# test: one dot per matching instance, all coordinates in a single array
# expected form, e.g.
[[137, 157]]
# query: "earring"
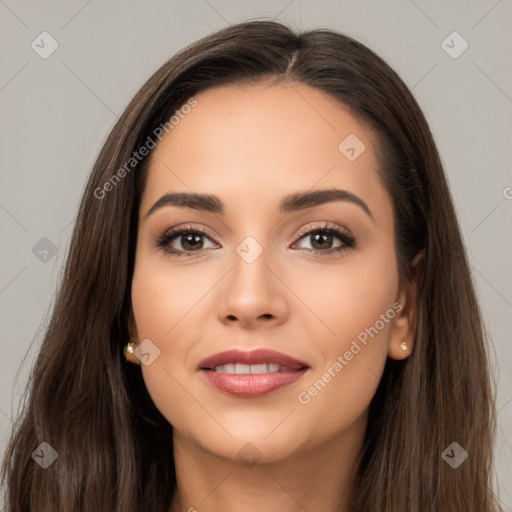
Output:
[[403, 345], [128, 348]]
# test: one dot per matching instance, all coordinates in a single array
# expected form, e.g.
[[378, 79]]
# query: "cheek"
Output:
[[163, 298], [361, 300], [357, 306], [349, 297], [166, 305]]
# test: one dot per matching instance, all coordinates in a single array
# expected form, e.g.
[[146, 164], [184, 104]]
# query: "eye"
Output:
[[322, 239], [183, 240]]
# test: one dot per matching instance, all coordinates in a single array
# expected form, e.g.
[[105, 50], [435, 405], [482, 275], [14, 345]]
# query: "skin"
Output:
[[251, 146]]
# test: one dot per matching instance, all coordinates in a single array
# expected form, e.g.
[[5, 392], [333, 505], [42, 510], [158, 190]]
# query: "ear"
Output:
[[134, 338], [403, 330]]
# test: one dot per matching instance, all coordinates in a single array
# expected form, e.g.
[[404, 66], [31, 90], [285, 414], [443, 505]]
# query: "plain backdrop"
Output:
[[57, 111]]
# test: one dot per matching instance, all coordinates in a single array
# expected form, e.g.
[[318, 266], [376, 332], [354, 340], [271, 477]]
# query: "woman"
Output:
[[323, 347]]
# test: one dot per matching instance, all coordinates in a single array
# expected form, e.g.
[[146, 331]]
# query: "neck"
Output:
[[318, 478]]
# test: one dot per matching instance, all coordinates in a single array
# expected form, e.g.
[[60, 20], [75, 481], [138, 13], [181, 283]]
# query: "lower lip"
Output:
[[251, 385]]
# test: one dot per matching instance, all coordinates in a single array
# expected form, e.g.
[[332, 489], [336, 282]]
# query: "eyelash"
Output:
[[344, 236]]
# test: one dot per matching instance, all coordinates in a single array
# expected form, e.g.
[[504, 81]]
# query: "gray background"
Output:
[[56, 113]]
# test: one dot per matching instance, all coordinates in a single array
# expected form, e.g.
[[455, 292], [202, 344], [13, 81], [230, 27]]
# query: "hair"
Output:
[[92, 406]]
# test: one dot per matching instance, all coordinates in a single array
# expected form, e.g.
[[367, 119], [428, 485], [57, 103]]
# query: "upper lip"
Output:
[[258, 356]]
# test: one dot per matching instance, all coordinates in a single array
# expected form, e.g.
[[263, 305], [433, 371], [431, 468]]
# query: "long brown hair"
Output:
[[92, 407]]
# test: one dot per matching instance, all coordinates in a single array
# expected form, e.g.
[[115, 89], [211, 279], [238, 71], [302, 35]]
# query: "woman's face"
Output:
[[278, 266]]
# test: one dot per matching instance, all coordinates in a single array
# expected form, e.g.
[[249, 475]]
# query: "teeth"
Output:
[[242, 369], [259, 368], [246, 369]]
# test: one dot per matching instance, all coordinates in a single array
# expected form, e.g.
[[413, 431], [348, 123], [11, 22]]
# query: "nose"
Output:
[[252, 295]]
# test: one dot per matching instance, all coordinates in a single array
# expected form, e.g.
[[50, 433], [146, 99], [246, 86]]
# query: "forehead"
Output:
[[260, 141]]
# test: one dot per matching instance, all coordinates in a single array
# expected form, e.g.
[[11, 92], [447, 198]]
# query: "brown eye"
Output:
[[183, 241], [327, 240]]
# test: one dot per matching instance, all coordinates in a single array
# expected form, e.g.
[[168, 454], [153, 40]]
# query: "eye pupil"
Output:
[[322, 238], [193, 240]]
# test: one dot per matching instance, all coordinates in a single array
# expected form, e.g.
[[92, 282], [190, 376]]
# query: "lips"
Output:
[[251, 373], [253, 357]]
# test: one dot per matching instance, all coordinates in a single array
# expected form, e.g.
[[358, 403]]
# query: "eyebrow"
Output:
[[291, 203]]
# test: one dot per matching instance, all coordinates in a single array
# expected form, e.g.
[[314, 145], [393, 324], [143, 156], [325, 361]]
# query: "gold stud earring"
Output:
[[403, 345], [129, 347]]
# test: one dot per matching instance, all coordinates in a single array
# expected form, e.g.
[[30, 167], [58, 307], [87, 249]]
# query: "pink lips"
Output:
[[251, 385]]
